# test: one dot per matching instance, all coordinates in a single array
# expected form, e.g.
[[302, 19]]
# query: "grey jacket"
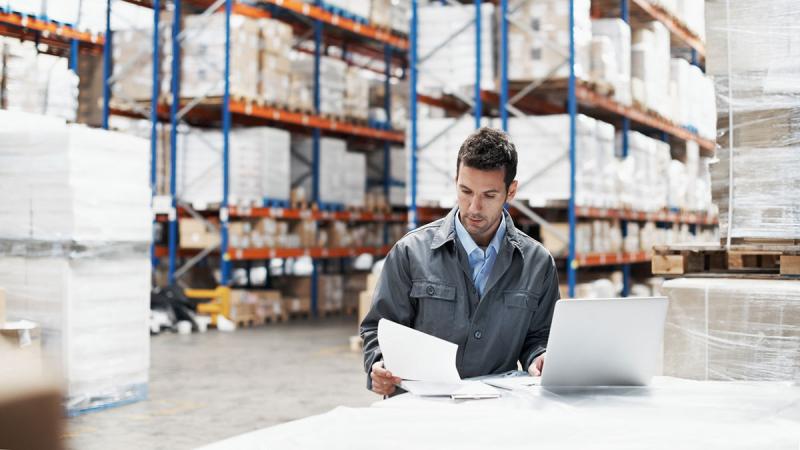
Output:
[[426, 284]]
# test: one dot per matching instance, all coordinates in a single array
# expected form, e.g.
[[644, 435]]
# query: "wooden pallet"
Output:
[[741, 259], [248, 322]]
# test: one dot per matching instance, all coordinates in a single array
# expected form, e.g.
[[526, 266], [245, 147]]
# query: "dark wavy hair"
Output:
[[489, 149]]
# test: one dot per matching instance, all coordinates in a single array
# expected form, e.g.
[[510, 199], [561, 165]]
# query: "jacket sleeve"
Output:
[[391, 301], [539, 328]]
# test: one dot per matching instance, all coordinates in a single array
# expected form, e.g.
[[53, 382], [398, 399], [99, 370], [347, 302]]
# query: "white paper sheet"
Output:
[[414, 355], [460, 390], [513, 383]]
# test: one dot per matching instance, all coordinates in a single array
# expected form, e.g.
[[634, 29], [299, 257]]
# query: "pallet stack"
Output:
[[735, 313]]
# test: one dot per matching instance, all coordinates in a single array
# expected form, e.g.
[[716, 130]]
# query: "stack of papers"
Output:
[[426, 364]]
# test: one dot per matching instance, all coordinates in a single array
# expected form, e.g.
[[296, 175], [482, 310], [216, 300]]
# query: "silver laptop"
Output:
[[605, 342]]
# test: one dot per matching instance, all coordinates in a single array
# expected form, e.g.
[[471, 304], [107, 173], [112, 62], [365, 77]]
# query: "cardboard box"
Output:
[[194, 235], [31, 409], [269, 306]]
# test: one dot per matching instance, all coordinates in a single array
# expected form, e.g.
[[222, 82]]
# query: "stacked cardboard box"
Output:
[[650, 68], [365, 297], [354, 284], [296, 292], [616, 67], [539, 47], [399, 103], [356, 100], [332, 86], [277, 39], [203, 57], [36, 82], [76, 232], [398, 163], [334, 187], [243, 307]]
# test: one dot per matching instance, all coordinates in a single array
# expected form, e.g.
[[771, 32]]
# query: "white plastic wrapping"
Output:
[[333, 74], [733, 329], [752, 54], [334, 171], [69, 182]]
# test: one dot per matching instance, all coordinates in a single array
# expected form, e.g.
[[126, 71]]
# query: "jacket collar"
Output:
[[447, 231]]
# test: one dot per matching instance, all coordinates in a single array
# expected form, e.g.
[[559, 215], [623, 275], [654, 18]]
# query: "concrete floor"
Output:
[[207, 387]]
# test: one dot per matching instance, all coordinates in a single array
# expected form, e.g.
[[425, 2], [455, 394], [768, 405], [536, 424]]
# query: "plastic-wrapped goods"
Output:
[[332, 84], [732, 329], [258, 166], [650, 68], [75, 230], [542, 144], [644, 174], [333, 170], [124, 15], [356, 179], [452, 67], [766, 192], [93, 311], [132, 54], [356, 101], [276, 41], [538, 40], [619, 33], [758, 91], [203, 56], [70, 182]]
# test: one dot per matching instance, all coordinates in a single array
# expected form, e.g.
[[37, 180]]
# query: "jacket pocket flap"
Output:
[[430, 289], [520, 299]]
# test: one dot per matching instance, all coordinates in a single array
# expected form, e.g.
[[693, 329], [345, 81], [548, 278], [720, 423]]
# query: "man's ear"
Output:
[[512, 191]]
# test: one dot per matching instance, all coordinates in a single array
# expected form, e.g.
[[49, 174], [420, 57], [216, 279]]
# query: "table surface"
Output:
[[670, 414]]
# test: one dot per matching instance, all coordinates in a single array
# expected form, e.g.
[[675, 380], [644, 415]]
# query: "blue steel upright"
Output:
[[504, 64], [626, 127], [225, 262], [154, 117], [387, 150], [478, 110], [107, 66], [412, 81], [74, 48], [315, 157], [572, 106], [173, 141]]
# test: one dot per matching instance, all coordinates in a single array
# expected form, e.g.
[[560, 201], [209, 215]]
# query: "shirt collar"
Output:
[[470, 245]]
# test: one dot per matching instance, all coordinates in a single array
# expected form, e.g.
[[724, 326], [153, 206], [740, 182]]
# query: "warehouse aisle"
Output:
[[205, 387]]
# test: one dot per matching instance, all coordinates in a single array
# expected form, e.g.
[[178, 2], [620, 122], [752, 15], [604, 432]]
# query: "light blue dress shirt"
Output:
[[480, 261]]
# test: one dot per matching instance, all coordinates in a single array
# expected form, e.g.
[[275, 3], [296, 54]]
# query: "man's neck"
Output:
[[482, 242]]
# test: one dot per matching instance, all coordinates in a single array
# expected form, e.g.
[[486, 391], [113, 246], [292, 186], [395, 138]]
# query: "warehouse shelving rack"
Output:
[[524, 101], [365, 39]]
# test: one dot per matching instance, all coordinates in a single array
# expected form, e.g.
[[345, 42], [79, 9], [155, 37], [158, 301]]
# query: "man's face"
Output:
[[481, 196]]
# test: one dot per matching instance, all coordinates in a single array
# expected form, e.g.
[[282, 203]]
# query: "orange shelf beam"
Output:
[[308, 214], [313, 121], [50, 30], [660, 216], [368, 31], [241, 254], [611, 259]]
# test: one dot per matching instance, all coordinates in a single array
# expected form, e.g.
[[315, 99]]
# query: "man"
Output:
[[470, 278]]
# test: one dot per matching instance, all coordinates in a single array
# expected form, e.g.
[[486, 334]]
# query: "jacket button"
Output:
[[431, 290], [478, 334]]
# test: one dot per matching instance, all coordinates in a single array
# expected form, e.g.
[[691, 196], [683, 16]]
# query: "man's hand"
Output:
[[536, 366], [383, 382]]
